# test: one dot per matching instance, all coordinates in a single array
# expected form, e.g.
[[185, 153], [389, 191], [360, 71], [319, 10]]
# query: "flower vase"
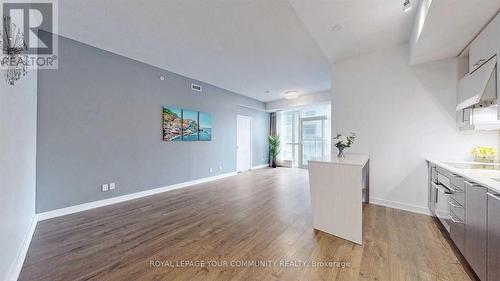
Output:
[[483, 159], [341, 152]]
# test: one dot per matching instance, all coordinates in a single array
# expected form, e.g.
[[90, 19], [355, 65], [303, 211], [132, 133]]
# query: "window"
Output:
[[295, 126]]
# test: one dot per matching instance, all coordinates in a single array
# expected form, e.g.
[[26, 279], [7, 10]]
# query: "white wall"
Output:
[[402, 115], [17, 170]]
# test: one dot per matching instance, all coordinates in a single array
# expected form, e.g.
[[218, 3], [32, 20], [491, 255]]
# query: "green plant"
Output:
[[274, 148]]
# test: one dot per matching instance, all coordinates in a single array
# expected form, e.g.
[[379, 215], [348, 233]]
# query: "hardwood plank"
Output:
[[263, 215]]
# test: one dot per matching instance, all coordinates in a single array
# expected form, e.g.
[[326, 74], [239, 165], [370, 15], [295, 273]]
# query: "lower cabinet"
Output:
[[457, 232], [493, 237], [474, 220], [476, 228], [457, 212]]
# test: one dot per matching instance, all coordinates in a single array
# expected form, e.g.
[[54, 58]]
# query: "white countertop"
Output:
[[350, 159], [479, 176]]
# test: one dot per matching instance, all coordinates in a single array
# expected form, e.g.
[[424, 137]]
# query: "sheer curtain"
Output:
[[273, 126], [273, 130]]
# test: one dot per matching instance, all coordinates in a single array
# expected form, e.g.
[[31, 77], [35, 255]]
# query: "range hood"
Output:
[[477, 97], [479, 86]]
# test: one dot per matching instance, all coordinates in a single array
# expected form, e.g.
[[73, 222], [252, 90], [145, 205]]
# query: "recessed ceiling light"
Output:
[[290, 95], [337, 27], [162, 78], [406, 5]]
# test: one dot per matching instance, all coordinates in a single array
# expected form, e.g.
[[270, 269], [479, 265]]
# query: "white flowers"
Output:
[[344, 141]]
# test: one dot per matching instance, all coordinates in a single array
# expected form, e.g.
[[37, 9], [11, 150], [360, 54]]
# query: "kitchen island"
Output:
[[338, 188]]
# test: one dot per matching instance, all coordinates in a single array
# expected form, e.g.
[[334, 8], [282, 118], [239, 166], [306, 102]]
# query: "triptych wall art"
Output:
[[186, 125]]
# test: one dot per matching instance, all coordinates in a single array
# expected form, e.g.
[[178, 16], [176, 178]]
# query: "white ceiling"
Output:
[[254, 46], [449, 26], [368, 25], [248, 47]]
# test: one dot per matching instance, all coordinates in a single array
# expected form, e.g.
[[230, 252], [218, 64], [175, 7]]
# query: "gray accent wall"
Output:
[[100, 121]]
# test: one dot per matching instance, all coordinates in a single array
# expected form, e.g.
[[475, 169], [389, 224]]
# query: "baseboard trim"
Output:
[[260, 166], [16, 267], [401, 206], [101, 203]]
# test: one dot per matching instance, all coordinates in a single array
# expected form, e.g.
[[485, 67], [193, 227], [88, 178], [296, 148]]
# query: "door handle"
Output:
[[454, 205], [471, 184], [441, 188], [479, 62], [454, 190], [454, 220]]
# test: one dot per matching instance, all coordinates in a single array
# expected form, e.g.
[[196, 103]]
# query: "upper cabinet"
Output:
[[478, 101], [485, 45]]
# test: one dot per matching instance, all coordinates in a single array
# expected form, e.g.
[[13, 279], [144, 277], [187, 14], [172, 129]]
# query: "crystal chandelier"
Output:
[[13, 45]]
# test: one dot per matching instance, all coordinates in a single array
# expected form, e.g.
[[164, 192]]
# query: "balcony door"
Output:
[[312, 139]]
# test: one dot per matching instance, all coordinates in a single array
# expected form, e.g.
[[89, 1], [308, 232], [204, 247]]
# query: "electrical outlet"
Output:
[[112, 186], [211, 170], [105, 187]]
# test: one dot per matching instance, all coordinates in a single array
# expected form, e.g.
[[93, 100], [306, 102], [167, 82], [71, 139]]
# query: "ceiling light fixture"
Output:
[[291, 95], [406, 5]]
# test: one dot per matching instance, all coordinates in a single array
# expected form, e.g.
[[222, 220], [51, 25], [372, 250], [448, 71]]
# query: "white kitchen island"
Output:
[[338, 189]]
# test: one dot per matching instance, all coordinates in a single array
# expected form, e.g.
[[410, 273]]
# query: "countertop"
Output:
[[350, 159], [479, 176]]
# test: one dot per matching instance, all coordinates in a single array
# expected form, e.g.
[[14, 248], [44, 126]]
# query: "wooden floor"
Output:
[[261, 216]]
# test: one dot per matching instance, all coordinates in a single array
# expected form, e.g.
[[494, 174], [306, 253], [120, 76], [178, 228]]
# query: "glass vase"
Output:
[[341, 152]]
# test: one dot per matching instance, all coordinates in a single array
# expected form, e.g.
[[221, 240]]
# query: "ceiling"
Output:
[[260, 48], [367, 25], [446, 36], [249, 47]]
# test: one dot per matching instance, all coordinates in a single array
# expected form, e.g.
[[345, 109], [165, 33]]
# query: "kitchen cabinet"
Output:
[[493, 237], [432, 191], [476, 228], [473, 222], [457, 232], [478, 87], [456, 203], [485, 45]]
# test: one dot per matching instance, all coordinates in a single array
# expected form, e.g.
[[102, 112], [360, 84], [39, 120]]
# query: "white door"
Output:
[[244, 142]]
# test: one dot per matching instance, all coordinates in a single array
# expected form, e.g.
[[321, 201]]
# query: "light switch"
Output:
[[112, 186], [105, 187]]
